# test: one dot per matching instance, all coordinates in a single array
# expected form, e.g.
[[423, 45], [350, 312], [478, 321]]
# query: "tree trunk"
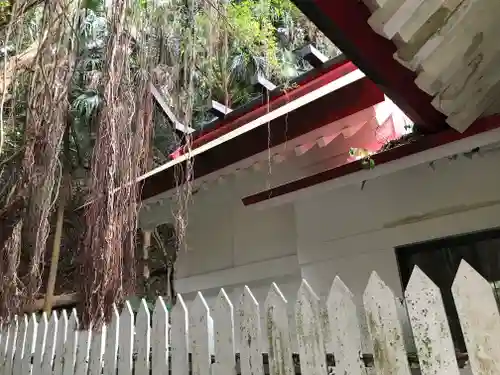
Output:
[[65, 193]]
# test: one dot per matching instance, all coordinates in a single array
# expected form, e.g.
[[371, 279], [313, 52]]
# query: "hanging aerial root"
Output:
[[11, 289], [46, 122], [120, 156]]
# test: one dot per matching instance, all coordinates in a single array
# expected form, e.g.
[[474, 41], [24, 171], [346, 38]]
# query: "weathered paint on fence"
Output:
[[58, 347]]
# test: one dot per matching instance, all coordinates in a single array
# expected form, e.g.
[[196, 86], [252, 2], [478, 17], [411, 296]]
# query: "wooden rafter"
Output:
[[345, 22]]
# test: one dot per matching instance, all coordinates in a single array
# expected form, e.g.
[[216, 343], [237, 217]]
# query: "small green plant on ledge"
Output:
[[364, 156]]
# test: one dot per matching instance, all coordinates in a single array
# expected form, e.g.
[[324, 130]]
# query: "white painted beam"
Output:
[[302, 149], [168, 112], [326, 140]]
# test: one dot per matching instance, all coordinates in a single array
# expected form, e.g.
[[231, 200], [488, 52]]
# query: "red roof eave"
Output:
[[321, 77], [349, 99]]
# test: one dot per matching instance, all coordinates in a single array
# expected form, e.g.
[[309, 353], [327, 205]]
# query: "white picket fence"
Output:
[[57, 347]]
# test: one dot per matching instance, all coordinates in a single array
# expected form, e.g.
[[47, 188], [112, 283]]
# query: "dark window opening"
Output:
[[439, 259]]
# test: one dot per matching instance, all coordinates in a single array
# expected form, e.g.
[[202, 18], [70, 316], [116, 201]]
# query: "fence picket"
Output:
[[250, 335], [50, 347], [69, 352], [199, 329], [309, 333], [126, 340], [62, 330], [385, 329], [479, 319], [224, 335], [345, 330], [278, 333], [2, 336], [4, 345], [110, 357], [180, 332], [59, 348], [96, 350], [29, 347], [40, 345], [9, 357], [142, 339], [82, 352], [20, 344], [159, 339], [436, 353]]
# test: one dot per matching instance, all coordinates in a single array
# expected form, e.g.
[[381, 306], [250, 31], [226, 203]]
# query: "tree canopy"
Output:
[[78, 122]]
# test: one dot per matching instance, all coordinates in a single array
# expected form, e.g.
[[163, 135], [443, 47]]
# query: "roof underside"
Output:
[[444, 67], [348, 99]]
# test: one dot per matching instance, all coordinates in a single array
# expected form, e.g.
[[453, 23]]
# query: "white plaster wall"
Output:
[[348, 232], [229, 246], [222, 234], [351, 231]]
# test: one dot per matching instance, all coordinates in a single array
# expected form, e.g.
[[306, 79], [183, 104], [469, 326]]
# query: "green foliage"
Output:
[[260, 35]]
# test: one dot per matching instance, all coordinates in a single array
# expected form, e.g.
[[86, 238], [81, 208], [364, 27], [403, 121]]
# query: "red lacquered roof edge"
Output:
[[334, 106], [425, 143], [313, 81]]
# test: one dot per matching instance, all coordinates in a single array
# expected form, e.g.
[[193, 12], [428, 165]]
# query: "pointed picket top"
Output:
[[345, 330], [385, 328], [69, 353], [224, 335], [9, 359], [97, 350], [479, 318], [62, 331], [250, 335], [82, 352], [278, 333], [431, 332], [29, 346], [50, 345], [3, 343], [126, 340], [312, 351], [159, 339], [180, 335], [2, 336], [110, 358], [4, 354], [20, 344], [40, 344], [142, 338], [199, 331]]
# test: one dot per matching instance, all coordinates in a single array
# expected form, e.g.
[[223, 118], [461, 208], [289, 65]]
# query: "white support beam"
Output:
[[302, 149], [168, 112], [326, 140]]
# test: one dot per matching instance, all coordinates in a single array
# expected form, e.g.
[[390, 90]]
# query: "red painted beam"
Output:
[[320, 78], [341, 103], [425, 143], [345, 22]]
